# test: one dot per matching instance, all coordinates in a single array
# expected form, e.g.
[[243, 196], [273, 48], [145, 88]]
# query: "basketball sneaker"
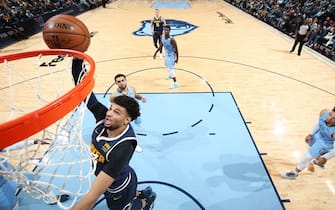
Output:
[[150, 201], [50, 199], [149, 196], [145, 193], [174, 85], [289, 175]]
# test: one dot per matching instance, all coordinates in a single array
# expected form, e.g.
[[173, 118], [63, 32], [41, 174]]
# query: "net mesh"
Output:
[[56, 160]]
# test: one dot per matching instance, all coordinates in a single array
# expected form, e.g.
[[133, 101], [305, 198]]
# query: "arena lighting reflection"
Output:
[[330, 186], [279, 128], [296, 154]]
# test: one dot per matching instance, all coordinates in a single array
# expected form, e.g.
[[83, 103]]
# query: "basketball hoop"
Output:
[[42, 102], [37, 120]]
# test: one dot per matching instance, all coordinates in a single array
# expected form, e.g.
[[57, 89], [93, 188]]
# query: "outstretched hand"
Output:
[[308, 139]]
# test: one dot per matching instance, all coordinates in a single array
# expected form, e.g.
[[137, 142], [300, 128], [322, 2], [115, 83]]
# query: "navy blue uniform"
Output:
[[157, 24], [113, 154]]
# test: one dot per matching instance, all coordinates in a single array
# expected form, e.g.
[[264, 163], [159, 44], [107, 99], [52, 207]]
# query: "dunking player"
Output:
[[157, 24], [114, 142]]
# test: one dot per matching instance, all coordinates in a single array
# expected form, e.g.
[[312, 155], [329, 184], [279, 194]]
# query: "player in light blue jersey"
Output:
[[320, 139], [171, 55], [125, 89]]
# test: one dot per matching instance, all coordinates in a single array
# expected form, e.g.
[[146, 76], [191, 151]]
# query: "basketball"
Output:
[[66, 32]]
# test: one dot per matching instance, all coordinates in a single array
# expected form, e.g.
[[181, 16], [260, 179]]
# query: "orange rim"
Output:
[[25, 126]]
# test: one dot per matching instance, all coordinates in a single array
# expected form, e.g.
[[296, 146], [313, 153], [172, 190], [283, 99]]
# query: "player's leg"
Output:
[[129, 198], [170, 63], [159, 42], [316, 150], [156, 37], [301, 166]]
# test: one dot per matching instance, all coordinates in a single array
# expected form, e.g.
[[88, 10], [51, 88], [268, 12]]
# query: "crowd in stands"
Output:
[[19, 10], [14, 12], [287, 15]]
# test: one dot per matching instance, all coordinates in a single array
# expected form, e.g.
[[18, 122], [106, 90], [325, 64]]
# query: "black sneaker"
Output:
[[53, 200], [144, 194], [150, 201]]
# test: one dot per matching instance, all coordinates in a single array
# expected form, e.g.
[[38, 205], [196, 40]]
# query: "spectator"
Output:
[[286, 15]]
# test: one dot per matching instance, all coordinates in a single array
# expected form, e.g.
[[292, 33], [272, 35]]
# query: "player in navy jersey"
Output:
[[114, 142], [157, 24]]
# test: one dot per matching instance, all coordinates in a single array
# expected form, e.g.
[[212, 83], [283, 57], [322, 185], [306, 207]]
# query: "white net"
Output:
[[60, 161]]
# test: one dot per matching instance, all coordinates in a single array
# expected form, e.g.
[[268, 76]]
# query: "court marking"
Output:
[[164, 147], [249, 68]]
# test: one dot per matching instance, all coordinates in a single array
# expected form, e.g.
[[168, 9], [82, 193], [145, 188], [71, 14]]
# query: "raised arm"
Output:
[[138, 96], [78, 71]]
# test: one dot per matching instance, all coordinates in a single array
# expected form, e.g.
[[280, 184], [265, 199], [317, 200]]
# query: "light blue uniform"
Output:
[[131, 93], [170, 53], [8, 199], [322, 141]]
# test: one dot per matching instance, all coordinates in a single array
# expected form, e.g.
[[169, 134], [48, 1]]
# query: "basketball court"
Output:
[[238, 119], [206, 160]]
